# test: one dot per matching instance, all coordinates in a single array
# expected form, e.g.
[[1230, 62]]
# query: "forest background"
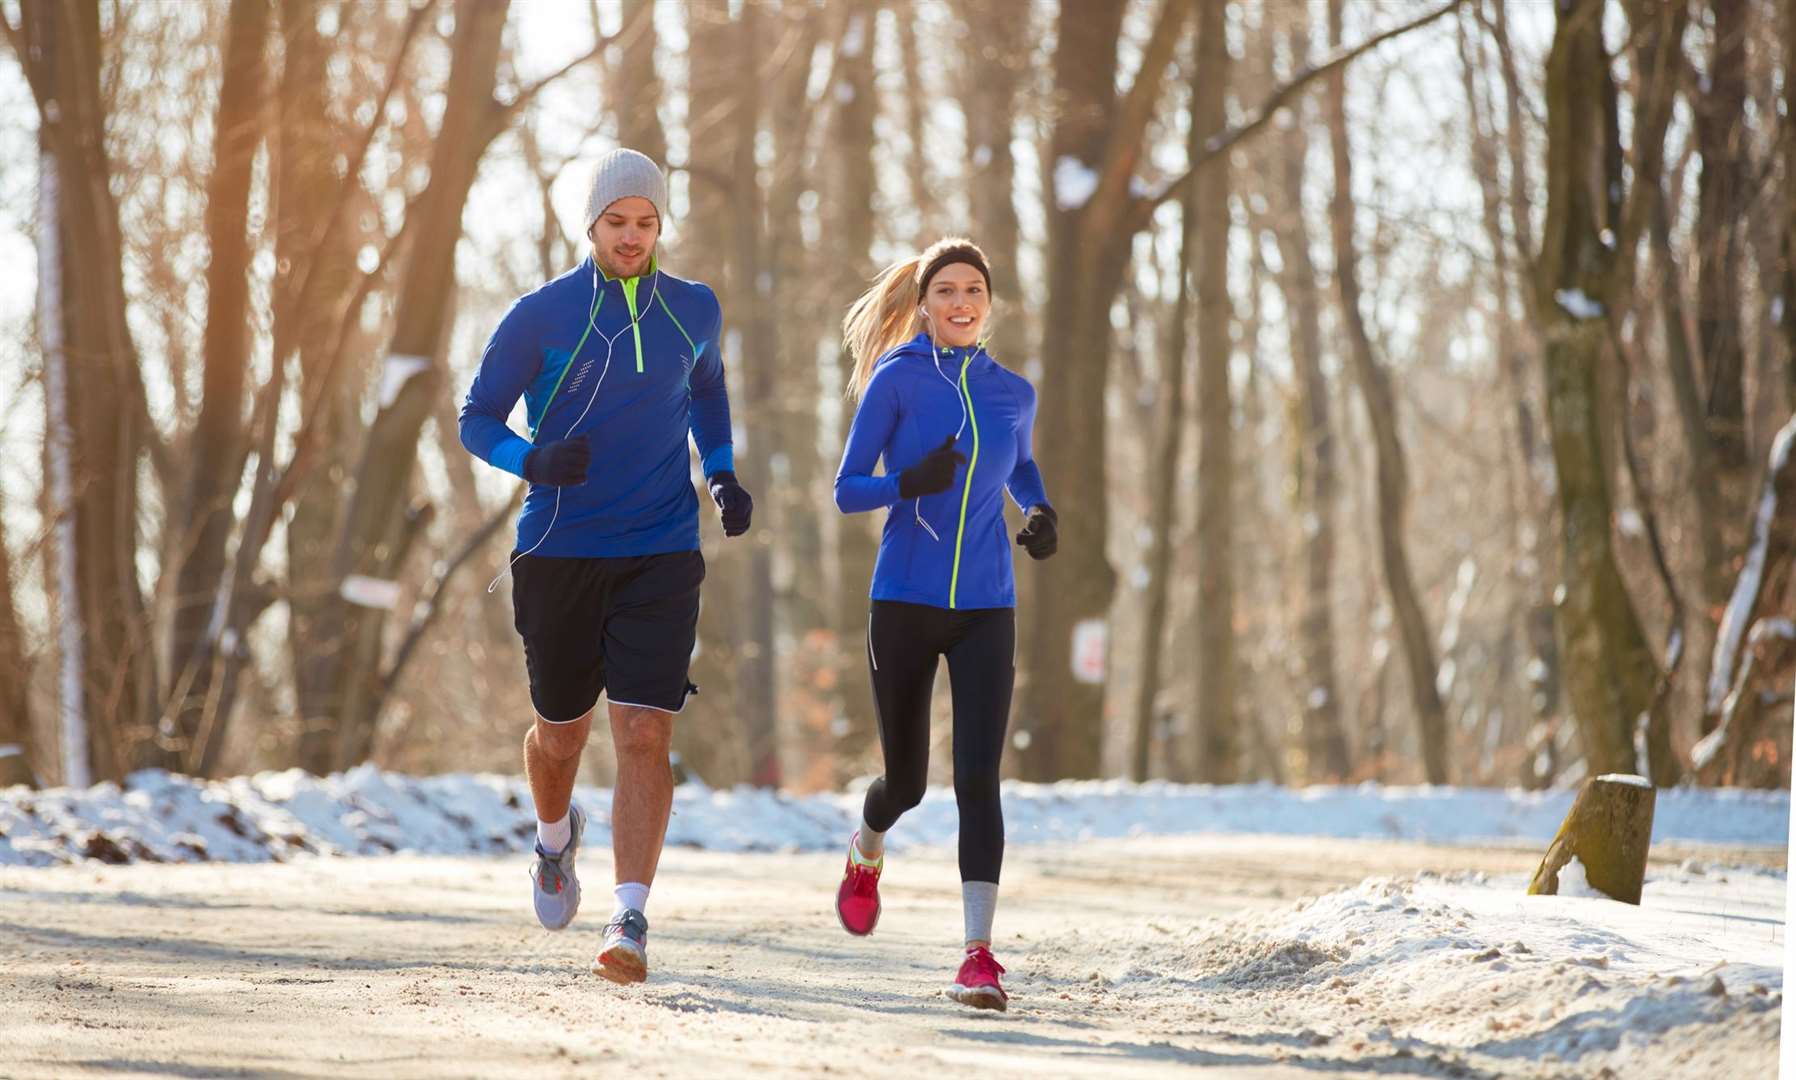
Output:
[[1416, 391]]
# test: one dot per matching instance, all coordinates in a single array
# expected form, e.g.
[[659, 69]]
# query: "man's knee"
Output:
[[562, 742], [639, 731]]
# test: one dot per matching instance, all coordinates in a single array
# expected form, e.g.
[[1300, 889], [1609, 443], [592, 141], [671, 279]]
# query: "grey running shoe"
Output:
[[625, 957], [552, 879]]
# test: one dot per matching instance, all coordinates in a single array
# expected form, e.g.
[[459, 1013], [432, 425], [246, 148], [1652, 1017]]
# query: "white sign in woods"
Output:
[[1091, 650]]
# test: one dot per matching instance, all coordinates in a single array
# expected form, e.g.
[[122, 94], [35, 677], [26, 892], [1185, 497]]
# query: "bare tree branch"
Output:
[[427, 610], [15, 36], [301, 295], [502, 115], [306, 439], [1110, 200], [1221, 143]]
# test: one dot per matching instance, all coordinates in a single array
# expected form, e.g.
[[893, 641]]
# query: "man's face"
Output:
[[623, 239]]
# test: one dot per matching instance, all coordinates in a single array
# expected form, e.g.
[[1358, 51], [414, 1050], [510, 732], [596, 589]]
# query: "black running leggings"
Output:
[[903, 642]]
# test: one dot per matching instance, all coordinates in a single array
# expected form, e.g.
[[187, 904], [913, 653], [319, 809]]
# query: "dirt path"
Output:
[[433, 967]]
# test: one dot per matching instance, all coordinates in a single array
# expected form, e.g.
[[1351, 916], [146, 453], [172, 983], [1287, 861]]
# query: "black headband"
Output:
[[954, 255]]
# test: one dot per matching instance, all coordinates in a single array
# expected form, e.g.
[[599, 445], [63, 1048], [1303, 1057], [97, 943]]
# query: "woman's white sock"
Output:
[[979, 901]]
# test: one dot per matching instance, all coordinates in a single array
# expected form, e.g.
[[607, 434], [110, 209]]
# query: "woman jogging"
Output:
[[954, 428]]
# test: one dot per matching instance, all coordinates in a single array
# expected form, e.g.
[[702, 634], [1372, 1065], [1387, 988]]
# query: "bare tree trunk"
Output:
[[1688, 397], [1611, 673], [1521, 192], [917, 97], [996, 59], [1532, 611], [852, 188], [720, 756], [635, 89], [1057, 729], [104, 421], [305, 181], [1657, 34], [1059, 723], [215, 460], [59, 446], [376, 522], [1325, 742], [1219, 749], [795, 495], [17, 755], [750, 295], [1786, 303], [1381, 408], [1721, 201], [1164, 458]]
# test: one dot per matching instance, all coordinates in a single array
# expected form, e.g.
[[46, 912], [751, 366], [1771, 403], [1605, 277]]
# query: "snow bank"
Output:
[[161, 817], [1472, 973]]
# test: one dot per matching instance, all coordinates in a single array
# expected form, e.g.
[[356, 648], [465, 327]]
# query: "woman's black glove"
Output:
[[933, 474], [733, 503], [1041, 532], [562, 463]]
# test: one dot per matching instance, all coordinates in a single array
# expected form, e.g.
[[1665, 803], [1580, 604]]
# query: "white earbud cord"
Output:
[[610, 341], [935, 357]]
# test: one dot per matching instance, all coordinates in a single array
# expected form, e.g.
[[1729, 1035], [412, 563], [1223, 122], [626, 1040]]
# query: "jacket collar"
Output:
[[591, 266], [924, 349]]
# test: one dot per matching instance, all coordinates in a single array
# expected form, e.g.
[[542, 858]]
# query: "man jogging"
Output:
[[616, 361]]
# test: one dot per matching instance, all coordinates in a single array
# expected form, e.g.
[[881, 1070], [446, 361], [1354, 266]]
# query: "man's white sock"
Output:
[[554, 836], [631, 896]]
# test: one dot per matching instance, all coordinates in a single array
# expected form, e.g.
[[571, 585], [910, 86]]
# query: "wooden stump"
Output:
[[1608, 830]]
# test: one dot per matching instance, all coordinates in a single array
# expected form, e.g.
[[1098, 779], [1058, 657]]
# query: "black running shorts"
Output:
[[624, 626]]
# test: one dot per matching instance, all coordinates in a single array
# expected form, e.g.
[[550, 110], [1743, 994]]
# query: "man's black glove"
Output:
[[561, 463], [934, 473], [1041, 532], [733, 503]]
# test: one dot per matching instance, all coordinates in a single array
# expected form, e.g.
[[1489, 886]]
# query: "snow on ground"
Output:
[[1471, 971], [163, 817], [1461, 974]]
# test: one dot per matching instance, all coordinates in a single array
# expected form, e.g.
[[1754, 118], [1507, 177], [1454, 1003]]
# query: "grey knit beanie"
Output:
[[621, 174]]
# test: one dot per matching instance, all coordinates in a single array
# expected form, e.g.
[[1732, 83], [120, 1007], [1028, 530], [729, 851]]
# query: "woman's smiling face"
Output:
[[956, 304]]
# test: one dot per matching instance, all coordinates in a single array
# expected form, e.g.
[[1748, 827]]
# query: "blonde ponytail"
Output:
[[881, 319]]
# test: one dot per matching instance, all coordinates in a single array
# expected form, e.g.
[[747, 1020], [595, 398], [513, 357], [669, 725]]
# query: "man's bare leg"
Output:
[[643, 798], [552, 762], [640, 805]]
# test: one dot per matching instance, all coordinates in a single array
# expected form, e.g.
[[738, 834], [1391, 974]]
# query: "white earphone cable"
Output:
[[610, 342], [935, 358]]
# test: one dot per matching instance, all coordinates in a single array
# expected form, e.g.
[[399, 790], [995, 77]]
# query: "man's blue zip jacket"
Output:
[[652, 357], [951, 549]]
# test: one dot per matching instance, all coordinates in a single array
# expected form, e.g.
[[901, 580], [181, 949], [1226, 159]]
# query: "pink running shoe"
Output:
[[857, 898], [977, 984]]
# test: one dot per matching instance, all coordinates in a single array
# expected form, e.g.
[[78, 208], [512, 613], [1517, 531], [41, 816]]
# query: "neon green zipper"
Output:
[[966, 492], [629, 285]]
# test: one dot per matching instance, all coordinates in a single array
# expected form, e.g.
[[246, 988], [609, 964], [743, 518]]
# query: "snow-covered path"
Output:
[[1261, 957]]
